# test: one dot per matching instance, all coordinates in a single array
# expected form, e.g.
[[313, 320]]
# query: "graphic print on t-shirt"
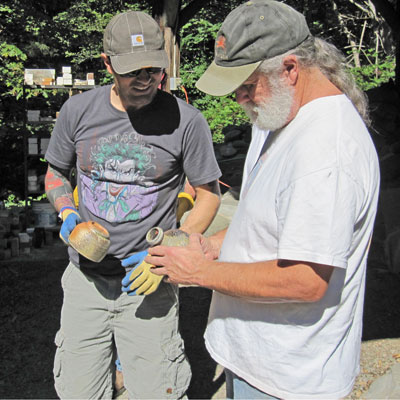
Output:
[[118, 189]]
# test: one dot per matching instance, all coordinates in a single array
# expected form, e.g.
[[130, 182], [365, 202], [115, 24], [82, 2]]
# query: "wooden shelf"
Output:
[[83, 87], [53, 121], [31, 192], [32, 160]]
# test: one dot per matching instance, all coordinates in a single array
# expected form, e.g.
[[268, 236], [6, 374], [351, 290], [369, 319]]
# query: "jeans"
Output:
[[237, 388]]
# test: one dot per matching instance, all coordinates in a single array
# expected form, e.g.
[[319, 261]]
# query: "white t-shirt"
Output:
[[312, 197], [258, 137]]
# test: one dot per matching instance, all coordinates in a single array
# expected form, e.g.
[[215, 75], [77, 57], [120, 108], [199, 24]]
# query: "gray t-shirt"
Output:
[[130, 165]]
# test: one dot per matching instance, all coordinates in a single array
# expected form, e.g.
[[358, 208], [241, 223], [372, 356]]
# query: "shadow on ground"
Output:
[[30, 304]]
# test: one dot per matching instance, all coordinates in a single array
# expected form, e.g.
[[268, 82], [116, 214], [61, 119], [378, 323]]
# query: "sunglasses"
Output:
[[134, 74]]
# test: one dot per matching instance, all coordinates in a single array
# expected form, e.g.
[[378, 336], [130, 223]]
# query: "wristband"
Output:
[[73, 209], [187, 196]]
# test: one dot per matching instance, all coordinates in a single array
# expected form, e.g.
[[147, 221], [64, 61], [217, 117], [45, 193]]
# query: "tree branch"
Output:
[[390, 14], [190, 11]]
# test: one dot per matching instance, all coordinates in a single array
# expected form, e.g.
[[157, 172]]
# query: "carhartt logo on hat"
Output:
[[137, 40], [253, 32], [133, 40]]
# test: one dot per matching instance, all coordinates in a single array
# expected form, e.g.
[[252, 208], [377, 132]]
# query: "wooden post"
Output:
[[166, 14]]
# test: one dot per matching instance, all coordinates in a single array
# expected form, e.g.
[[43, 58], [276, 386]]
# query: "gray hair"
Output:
[[315, 52]]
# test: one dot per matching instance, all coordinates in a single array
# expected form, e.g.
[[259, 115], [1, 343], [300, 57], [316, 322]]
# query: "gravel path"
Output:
[[377, 356]]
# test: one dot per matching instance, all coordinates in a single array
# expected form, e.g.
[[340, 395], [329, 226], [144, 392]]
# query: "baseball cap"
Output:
[[133, 40], [255, 31]]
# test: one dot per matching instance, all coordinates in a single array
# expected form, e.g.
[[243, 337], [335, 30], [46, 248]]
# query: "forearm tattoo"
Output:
[[58, 189]]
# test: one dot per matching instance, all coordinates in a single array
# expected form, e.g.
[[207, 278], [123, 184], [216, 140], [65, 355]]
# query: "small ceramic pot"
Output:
[[172, 237], [91, 240]]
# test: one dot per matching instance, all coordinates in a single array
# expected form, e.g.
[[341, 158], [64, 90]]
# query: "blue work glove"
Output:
[[118, 365], [71, 218], [139, 279]]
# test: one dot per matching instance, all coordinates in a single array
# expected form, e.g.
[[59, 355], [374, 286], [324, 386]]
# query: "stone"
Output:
[[231, 135], [14, 246], [227, 150], [386, 386]]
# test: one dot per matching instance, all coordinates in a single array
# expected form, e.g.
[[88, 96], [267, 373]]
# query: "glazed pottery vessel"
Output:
[[91, 240]]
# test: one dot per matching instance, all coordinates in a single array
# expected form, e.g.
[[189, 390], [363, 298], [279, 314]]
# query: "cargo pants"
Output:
[[98, 321]]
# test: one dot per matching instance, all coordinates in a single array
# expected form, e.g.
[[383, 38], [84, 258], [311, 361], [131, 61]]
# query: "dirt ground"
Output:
[[31, 299]]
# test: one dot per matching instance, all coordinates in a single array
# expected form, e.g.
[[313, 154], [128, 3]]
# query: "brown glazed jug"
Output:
[[91, 240]]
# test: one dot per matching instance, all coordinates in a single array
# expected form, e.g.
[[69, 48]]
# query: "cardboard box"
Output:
[[33, 148], [80, 82], [47, 81], [44, 144], [66, 70], [33, 115], [46, 119], [33, 187], [39, 76], [28, 79]]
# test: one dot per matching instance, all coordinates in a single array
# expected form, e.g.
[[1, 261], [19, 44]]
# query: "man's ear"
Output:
[[291, 69], [107, 63]]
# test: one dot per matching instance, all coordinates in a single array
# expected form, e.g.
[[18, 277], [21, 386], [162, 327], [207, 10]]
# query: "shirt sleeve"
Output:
[[316, 218], [199, 163]]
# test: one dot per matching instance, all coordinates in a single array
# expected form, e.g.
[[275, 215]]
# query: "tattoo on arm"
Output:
[[58, 188]]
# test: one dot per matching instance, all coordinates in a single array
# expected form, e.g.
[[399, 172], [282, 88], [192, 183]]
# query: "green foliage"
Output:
[[79, 30], [50, 33], [11, 69], [197, 43], [13, 201], [220, 112], [197, 50], [373, 75]]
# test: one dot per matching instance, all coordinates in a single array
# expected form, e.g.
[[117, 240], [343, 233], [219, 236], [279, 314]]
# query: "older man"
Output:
[[288, 274]]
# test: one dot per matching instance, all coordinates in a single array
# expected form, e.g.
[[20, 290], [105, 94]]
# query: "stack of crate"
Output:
[[13, 241]]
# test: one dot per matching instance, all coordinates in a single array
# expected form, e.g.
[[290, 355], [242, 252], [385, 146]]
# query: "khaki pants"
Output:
[[97, 320]]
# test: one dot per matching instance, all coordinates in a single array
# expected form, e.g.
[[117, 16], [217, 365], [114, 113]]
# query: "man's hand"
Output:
[[210, 248], [181, 265], [139, 280], [71, 218]]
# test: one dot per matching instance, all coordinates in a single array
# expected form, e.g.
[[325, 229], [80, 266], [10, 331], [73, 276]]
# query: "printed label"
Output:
[[137, 40]]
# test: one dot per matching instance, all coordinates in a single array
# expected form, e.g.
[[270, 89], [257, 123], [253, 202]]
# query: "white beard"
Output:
[[274, 113]]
